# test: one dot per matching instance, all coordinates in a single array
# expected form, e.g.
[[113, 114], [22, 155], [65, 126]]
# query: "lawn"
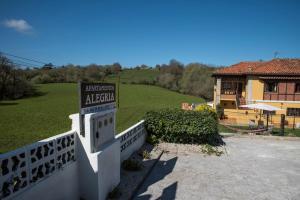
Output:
[[28, 120], [287, 132], [275, 131], [224, 129]]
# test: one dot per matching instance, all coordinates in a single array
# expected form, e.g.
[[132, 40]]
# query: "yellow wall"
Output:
[[257, 88]]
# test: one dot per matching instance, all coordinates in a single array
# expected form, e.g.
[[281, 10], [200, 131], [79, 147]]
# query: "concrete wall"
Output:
[[132, 139], [62, 185], [43, 170]]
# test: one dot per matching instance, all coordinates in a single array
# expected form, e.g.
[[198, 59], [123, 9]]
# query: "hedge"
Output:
[[180, 126]]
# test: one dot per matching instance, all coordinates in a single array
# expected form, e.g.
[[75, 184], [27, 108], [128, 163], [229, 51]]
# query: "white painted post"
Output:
[[98, 155]]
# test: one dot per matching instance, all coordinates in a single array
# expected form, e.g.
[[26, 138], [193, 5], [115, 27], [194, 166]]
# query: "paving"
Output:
[[251, 168]]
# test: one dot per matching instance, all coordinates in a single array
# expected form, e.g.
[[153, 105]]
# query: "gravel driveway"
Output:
[[251, 168]]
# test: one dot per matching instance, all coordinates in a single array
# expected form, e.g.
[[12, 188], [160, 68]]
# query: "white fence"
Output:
[[25, 167], [50, 169], [132, 139]]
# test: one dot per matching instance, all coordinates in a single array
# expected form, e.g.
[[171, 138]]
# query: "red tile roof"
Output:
[[272, 67]]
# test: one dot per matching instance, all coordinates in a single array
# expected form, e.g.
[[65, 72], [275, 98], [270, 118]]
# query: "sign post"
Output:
[[98, 149], [95, 97]]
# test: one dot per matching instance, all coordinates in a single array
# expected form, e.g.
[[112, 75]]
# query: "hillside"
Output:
[[135, 76], [31, 119]]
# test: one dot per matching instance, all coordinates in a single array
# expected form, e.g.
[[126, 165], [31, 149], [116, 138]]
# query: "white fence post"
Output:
[[98, 155]]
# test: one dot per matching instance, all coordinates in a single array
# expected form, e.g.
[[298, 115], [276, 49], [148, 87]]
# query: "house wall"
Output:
[[226, 104], [217, 91], [255, 94], [257, 88], [243, 117]]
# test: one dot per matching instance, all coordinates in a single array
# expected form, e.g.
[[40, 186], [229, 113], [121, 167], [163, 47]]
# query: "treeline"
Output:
[[194, 78], [13, 81], [72, 73]]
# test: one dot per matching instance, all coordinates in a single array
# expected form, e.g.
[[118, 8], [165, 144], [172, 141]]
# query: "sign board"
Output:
[[95, 97]]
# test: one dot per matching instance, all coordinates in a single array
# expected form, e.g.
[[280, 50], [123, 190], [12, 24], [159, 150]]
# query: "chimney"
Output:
[[249, 68]]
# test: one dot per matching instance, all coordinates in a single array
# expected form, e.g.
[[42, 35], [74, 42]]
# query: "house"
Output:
[[275, 82]]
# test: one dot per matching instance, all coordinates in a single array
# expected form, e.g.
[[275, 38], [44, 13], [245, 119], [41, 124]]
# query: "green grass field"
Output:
[[134, 75], [28, 120]]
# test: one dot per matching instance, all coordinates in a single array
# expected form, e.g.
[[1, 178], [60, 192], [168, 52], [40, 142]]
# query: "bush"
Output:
[[42, 79], [204, 107], [210, 150], [181, 126], [152, 139], [19, 89]]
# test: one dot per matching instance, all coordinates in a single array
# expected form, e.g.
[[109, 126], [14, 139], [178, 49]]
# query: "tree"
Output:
[[116, 68], [157, 67], [6, 68], [170, 75], [197, 80], [94, 73], [13, 83]]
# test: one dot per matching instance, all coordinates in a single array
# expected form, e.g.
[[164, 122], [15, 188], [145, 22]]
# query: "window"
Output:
[[265, 112], [227, 85], [228, 88], [270, 87], [293, 111], [297, 87]]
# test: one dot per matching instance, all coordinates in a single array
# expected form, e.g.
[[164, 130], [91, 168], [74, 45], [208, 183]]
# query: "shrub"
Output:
[[210, 150], [181, 126], [146, 154], [204, 107], [41, 79], [152, 139]]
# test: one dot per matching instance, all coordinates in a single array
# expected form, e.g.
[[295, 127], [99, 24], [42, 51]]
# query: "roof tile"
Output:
[[272, 67]]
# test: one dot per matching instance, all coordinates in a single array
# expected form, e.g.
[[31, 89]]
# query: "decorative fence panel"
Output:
[[24, 167], [132, 139]]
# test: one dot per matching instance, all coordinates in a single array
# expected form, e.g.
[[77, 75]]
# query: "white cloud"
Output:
[[19, 25]]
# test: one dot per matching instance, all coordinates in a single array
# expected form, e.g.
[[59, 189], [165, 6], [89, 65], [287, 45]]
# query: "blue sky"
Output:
[[150, 32]]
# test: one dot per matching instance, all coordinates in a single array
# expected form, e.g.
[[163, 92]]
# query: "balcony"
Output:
[[228, 94]]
